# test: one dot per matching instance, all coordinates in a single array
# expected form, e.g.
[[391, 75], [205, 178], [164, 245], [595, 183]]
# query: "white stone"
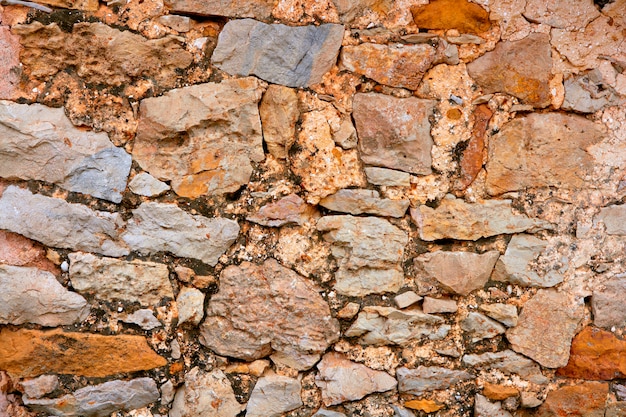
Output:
[[146, 185], [190, 303]]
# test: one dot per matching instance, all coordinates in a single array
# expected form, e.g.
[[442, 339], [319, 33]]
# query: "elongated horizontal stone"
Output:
[[40, 143], [57, 223], [288, 210], [586, 399], [159, 227], [462, 15], [427, 378], [388, 177], [291, 56], [364, 201], [508, 362], [259, 9]]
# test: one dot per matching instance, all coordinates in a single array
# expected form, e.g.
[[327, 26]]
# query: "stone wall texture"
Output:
[[296, 208]]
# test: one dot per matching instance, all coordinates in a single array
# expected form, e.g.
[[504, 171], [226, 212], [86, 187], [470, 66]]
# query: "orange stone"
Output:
[[428, 406], [462, 15], [583, 400], [472, 157], [498, 392], [596, 354], [30, 353], [19, 251]]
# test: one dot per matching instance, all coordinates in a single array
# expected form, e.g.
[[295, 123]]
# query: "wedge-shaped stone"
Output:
[[40, 143], [291, 56], [274, 395], [205, 394], [509, 363], [368, 250], [428, 378], [607, 303], [30, 295], [203, 137], [159, 227], [29, 353], [337, 377], [112, 279], [260, 10], [361, 201], [57, 223]]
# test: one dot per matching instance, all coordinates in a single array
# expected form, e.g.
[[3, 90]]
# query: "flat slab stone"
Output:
[[146, 185], [607, 303], [261, 9], [439, 305], [508, 362], [205, 393], [481, 327], [504, 313], [40, 386], [422, 379], [462, 15], [388, 177], [360, 201], [19, 251], [291, 56], [291, 209], [274, 395]]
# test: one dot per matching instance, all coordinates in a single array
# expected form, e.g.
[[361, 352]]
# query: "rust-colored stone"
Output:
[[427, 406], [9, 63], [462, 15], [472, 157], [496, 392], [596, 354], [19, 251], [30, 353], [582, 400]]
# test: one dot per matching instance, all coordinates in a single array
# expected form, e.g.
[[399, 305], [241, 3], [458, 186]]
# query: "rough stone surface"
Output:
[[614, 219], [481, 327], [484, 408], [29, 353], [519, 68], [336, 374], [459, 272], [40, 386], [407, 299], [273, 395], [368, 251], [462, 15], [548, 345], [394, 132], [456, 219], [472, 159], [9, 63], [19, 251], [438, 305], [205, 393], [232, 8], [504, 313], [111, 279], [291, 209], [327, 413], [146, 185], [497, 392], [291, 56], [508, 362], [203, 137], [360, 201], [253, 314], [56, 223], [542, 150], [573, 15], [586, 399], [388, 177], [588, 93], [279, 113], [190, 303], [143, 318], [160, 227], [422, 379], [608, 305]]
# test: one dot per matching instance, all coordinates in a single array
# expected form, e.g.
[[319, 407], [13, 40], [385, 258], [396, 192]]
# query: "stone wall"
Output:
[[296, 208]]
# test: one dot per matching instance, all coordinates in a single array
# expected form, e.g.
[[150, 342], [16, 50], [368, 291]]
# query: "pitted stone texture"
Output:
[[585, 399], [100, 400], [29, 353], [574, 14], [481, 327], [338, 378], [542, 150], [428, 378], [261, 308], [360, 201], [519, 68], [148, 186], [160, 227], [388, 177], [459, 272], [112, 279], [386, 325], [190, 303], [456, 219], [57, 223], [30, 295], [205, 394], [607, 303], [462, 15], [547, 344], [368, 251], [508, 362], [290, 56], [394, 132], [614, 219], [203, 137], [274, 395], [260, 10], [9, 63], [288, 210], [279, 114]]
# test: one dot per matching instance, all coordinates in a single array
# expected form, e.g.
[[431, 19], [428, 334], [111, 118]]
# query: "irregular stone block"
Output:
[[19, 251], [178, 23], [422, 379], [584, 399], [462, 15], [360, 201], [291, 56], [111, 279], [483, 407], [279, 114], [481, 327], [89, 5], [407, 299], [327, 413], [504, 313], [203, 137], [471, 162], [288, 210], [29, 353], [190, 303], [388, 177], [337, 376], [274, 395], [259, 9], [207, 394], [57, 223], [40, 386], [588, 93], [30, 295], [146, 185], [9, 63], [394, 132], [614, 219], [159, 227], [143, 318], [607, 303], [438, 305], [497, 392], [575, 14], [509, 363]]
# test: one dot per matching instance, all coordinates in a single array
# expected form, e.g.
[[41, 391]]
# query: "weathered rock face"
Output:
[[273, 395], [19, 251], [368, 251], [336, 374], [588, 93], [614, 219], [389, 177], [202, 137], [481, 327], [9, 63], [28, 353], [542, 150], [364, 201], [143, 318], [190, 302], [233, 8], [439, 305], [548, 345], [504, 313], [30, 295], [394, 132], [207, 394], [607, 304], [40, 386], [508, 362], [279, 114], [427, 378], [291, 56], [576, 14], [462, 15], [584, 399], [157, 227], [254, 313], [146, 185], [288, 210]]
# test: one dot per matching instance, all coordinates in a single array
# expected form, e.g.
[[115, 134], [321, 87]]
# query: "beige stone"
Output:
[[9, 63], [205, 393], [360, 201], [260, 10], [288, 210], [573, 15], [279, 114], [19, 251], [459, 272]]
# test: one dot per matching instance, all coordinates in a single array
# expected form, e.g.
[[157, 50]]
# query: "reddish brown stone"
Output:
[[9, 63], [19, 251], [583, 400], [462, 15], [596, 354], [472, 157]]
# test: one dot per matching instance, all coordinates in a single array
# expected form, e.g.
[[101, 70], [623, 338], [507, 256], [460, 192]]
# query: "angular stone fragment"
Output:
[[497, 392], [588, 93], [337, 377], [100, 400], [462, 15], [422, 379], [19, 251], [9, 63], [394, 132], [360, 201], [585, 399], [508, 362], [471, 162], [368, 251], [143, 318], [112, 279], [456, 219], [438, 305], [57, 223], [481, 327], [607, 303], [546, 328], [459, 272], [190, 303], [388, 177], [484, 408], [386, 325], [542, 150], [146, 185], [519, 68], [159, 227], [178, 23], [259, 9], [202, 137], [260, 308], [274, 395], [291, 56], [504, 313], [574, 14], [30, 295], [40, 386], [407, 299], [279, 114], [288, 210], [205, 394], [614, 219], [29, 353]]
